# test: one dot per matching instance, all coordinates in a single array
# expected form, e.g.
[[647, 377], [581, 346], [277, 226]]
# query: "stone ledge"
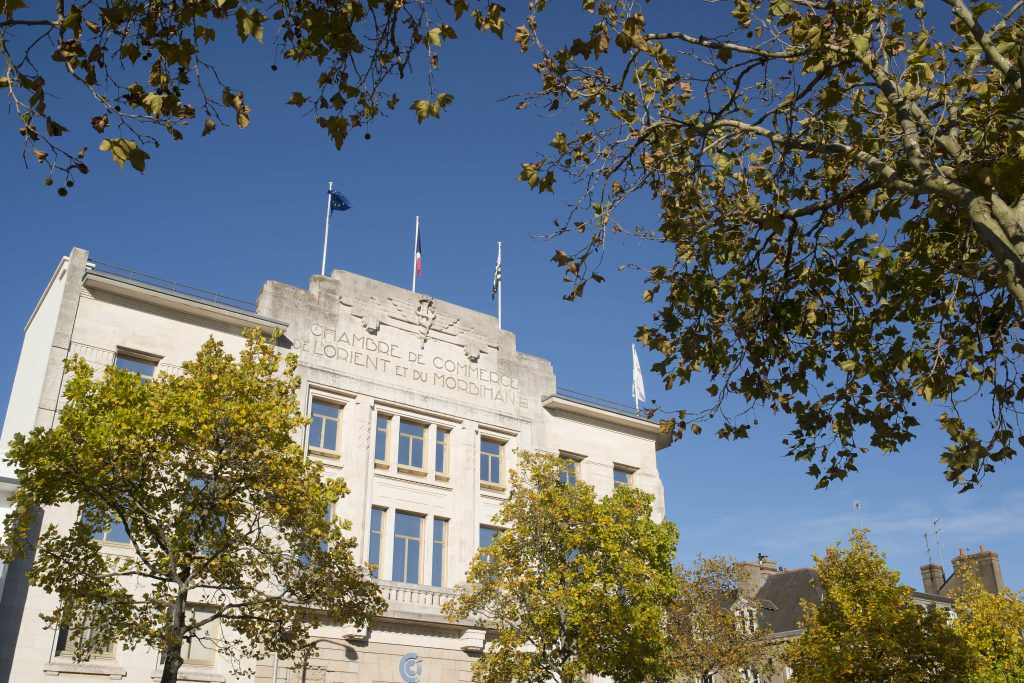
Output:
[[85, 669], [198, 675]]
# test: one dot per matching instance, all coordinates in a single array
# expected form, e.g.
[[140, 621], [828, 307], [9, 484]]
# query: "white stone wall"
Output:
[[32, 363]]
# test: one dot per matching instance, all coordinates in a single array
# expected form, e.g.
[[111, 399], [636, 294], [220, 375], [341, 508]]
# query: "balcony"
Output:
[[413, 601]]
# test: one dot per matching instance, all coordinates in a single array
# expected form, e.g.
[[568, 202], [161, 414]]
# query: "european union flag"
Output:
[[338, 202]]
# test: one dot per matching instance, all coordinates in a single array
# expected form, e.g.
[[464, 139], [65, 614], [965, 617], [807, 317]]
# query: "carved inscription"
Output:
[[339, 348]]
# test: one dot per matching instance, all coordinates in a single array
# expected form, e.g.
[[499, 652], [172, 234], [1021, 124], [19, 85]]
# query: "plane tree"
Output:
[[137, 73], [839, 186], [220, 526]]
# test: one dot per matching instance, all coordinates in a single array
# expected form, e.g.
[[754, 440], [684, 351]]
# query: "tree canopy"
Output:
[[149, 70], [220, 516], [840, 186], [868, 627], [992, 628], [840, 183], [575, 585], [706, 635]]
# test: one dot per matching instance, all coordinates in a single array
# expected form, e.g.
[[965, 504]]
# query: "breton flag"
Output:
[[496, 284], [638, 381]]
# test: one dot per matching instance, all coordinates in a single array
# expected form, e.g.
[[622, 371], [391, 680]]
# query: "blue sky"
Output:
[[227, 212]]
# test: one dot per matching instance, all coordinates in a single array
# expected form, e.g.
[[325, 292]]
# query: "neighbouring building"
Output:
[[419, 404], [776, 595]]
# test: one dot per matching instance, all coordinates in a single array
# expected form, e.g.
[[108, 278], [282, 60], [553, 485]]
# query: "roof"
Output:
[[177, 300], [576, 406], [781, 595]]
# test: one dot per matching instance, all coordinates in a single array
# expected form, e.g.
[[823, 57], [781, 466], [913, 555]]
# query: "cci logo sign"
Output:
[[410, 668]]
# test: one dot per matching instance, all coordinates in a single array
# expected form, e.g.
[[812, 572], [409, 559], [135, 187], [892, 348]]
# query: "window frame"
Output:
[[489, 483], [437, 562], [419, 550], [108, 652], [409, 467], [378, 415], [381, 535], [333, 402], [186, 647], [572, 471], [387, 421], [490, 527], [214, 632], [445, 446], [628, 471], [141, 357]]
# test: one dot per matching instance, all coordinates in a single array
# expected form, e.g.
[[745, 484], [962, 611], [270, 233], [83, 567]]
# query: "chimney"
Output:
[[985, 565], [752, 575], [933, 576]]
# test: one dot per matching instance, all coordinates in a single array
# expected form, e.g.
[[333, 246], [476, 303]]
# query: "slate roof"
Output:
[[781, 594]]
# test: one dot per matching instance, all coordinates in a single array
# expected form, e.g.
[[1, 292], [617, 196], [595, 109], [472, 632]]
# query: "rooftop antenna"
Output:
[[860, 515], [928, 546], [938, 541]]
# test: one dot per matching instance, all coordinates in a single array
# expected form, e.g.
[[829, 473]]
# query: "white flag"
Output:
[[638, 378]]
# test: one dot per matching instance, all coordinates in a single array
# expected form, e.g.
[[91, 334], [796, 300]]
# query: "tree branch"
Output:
[[719, 45], [984, 39]]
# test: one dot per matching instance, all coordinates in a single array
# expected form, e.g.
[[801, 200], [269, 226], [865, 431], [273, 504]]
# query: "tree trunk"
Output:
[[172, 649], [172, 662]]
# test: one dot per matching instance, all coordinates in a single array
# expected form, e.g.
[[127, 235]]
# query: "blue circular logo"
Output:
[[410, 668]]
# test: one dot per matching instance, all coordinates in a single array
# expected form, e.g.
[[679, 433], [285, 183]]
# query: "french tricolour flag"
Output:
[[419, 254]]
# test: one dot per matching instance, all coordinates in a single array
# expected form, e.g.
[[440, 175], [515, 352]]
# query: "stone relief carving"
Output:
[[425, 317], [473, 351], [421, 317]]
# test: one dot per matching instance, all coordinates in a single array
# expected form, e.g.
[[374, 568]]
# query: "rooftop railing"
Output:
[[206, 295], [598, 402]]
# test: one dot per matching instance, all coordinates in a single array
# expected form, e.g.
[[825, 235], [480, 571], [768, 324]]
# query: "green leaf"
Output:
[[125, 150]]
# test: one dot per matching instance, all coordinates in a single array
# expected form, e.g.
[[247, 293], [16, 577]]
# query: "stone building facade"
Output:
[[419, 404]]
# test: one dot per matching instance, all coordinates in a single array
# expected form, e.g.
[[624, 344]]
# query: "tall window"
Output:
[[569, 469], [405, 565], [112, 532], [444, 437], [411, 437], [376, 540], [323, 431], [621, 476], [329, 515], [380, 449], [91, 639], [437, 557], [200, 649], [143, 367], [487, 535], [490, 461]]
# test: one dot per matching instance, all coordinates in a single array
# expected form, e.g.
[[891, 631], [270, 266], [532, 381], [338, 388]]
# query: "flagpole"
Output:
[[327, 227], [500, 278], [636, 394], [415, 242]]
